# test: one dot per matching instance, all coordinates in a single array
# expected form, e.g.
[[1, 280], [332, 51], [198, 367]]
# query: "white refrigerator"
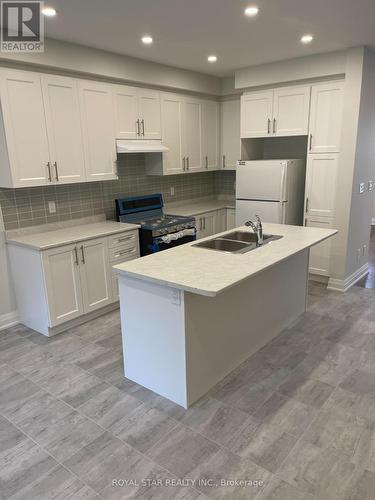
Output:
[[272, 189]]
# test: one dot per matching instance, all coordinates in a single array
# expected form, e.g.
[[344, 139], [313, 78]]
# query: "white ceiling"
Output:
[[185, 32]]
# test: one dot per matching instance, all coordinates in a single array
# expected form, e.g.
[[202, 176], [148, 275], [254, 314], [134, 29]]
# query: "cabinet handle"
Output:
[[223, 161], [187, 163], [126, 251], [201, 223], [76, 256], [204, 223], [310, 146], [269, 126], [83, 254], [307, 205], [56, 171], [274, 125], [49, 171], [183, 164], [206, 161], [138, 130], [143, 127]]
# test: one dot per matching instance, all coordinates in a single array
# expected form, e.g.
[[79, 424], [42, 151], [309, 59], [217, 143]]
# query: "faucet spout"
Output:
[[257, 228]]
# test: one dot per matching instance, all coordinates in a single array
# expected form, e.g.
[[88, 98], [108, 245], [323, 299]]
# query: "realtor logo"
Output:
[[22, 26]]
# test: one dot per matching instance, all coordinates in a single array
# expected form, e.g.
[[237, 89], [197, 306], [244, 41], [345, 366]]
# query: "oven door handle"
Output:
[[168, 238]]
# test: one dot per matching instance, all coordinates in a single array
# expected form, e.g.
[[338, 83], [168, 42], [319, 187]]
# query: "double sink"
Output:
[[236, 242]]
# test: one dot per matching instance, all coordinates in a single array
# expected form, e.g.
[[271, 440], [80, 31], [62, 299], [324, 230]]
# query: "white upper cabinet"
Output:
[[275, 113], [60, 96], [98, 130], [291, 111], [150, 114], [326, 117], [230, 133], [24, 133], [172, 110], [137, 113], [192, 133], [321, 178], [256, 114], [210, 134], [125, 102]]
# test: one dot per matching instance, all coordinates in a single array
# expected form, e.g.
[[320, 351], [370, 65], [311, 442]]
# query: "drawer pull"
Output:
[[124, 252], [126, 238]]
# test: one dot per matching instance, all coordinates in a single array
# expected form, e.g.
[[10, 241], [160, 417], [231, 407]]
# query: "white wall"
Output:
[[302, 68], [8, 313], [75, 58]]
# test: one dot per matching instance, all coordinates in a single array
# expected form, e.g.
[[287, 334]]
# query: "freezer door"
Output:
[[261, 180], [268, 211]]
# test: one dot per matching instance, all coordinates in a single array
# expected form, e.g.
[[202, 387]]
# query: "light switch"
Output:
[[370, 185]]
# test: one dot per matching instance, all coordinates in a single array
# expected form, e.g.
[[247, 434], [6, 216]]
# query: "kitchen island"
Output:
[[190, 315]]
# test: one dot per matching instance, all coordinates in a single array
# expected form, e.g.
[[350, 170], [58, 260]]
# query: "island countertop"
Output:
[[210, 272]]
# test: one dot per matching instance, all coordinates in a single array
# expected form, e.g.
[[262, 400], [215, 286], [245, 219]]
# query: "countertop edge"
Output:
[[100, 234]]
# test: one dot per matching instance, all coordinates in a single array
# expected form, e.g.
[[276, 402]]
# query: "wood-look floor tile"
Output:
[[21, 465], [182, 451], [65, 436], [362, 487], [360, 382], [276, 489], [214, 420], [306, 390], [10, 436], [57, 484], [143, 427], [213, 478], [317, 471], [16, 393]]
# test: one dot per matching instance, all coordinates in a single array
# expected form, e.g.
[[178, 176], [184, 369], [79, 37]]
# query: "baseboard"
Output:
[[8, 320], [319, 278], [344, 285]]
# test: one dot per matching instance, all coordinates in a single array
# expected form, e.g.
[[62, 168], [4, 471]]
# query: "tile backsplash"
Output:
[[29, 206]]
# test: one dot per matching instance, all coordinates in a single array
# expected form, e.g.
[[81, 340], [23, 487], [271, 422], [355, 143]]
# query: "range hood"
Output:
[[140, 146]]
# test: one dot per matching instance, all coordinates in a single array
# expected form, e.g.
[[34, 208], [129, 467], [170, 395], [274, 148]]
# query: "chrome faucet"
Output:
[[257, 228]]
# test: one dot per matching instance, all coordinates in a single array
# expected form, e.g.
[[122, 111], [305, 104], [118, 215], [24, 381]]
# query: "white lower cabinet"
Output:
[[231, 218], [58, 285], [63, 284], [320, 254], [214, 222]]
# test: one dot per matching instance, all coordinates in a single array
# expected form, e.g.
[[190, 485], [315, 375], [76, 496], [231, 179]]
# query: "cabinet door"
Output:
[[25, 127], [172, 133], [60, 96], [230, 133], [206, 224], [63, 284], [256, 114], [210, 131], [326, 117], [192, 133], [231, 218], [321, 185], [320, 254], [291, 111], [98, 130], [221, 221], [149, 114], [95, 274], [125, 103]]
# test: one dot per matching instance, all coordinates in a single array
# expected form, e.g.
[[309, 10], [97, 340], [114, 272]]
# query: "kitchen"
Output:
[[101, 170]]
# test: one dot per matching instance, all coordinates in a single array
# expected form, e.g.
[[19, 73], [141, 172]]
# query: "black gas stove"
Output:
[[158, 231]]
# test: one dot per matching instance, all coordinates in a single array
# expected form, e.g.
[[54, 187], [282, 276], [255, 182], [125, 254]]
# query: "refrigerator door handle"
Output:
[[282, 184]]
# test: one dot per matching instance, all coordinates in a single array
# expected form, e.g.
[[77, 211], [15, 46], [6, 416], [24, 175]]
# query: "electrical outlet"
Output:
[[361, 187], [172, 190], [364, 250], [370, 185], [51, 207]]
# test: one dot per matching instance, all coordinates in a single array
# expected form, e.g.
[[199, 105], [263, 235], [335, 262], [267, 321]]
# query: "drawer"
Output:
[[123, 239], [123, 253]]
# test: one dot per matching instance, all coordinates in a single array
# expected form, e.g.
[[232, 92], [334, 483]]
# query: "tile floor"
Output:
[[297, 418]]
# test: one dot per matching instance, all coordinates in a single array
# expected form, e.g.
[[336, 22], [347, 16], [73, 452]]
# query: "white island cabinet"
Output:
[[64, 277], [208, 311]]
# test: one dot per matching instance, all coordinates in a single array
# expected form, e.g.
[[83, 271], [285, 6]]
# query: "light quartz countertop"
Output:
[[197, 207], [210, 272], [66, 235]]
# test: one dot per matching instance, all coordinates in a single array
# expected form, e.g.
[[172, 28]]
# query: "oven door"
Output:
[[158, 244]]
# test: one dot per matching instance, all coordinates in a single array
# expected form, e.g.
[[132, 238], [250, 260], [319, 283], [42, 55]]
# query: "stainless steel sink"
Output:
[[236, 242]]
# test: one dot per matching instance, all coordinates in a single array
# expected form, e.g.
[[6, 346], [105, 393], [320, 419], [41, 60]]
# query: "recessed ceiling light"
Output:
[[49, 12], [307, 39], [251, 11], [147, 39], [211, 59]]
